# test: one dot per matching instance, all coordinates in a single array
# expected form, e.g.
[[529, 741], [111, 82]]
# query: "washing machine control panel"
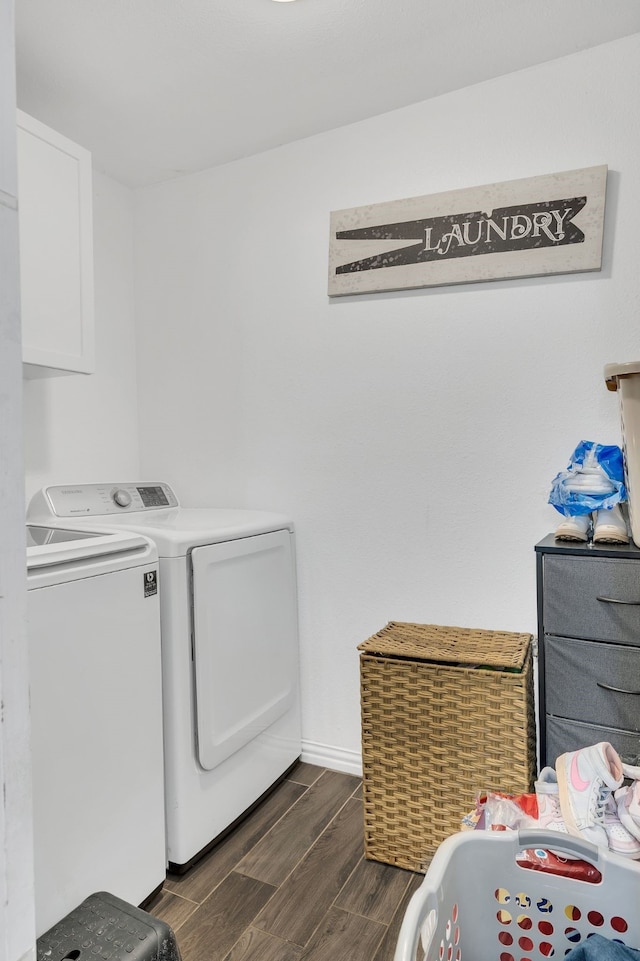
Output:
[[85, 500]]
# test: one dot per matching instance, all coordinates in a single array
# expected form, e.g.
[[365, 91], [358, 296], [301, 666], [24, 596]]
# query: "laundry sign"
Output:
[[551, 224]]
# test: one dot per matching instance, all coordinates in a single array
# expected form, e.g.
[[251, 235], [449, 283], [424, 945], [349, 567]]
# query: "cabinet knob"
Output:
[[616, 600], [616, 690]]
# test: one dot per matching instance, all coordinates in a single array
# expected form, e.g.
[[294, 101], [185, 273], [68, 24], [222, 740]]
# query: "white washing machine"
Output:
[[229, 648], [96, 718]]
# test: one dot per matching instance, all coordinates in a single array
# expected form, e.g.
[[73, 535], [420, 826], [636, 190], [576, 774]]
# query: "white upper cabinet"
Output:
[[56, 249]]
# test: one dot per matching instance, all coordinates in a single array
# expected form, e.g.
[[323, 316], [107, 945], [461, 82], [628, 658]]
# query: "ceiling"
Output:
[[160, 88]]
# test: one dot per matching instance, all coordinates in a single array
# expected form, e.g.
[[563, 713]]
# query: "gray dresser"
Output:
[[588, 647]]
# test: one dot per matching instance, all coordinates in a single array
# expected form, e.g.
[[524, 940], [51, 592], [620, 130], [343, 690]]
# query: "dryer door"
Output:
[[245, 640]]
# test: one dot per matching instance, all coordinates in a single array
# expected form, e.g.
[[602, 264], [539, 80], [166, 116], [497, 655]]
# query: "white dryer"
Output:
[[96, 717], [229, 648]]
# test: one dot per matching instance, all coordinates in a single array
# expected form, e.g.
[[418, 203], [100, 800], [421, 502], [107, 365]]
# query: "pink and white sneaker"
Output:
[[586, 779]]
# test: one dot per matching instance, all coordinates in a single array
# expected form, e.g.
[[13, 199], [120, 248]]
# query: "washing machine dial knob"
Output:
[[122, 498]]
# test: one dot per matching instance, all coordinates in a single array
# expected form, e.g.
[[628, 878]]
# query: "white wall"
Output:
[[413, 436], [81, 428], [17, 927]]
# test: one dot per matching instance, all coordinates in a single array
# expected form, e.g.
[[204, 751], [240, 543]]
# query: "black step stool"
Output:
[[104, 928]]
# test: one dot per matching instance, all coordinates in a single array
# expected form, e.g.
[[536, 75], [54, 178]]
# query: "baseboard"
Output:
[[335, 758], [30, 955]]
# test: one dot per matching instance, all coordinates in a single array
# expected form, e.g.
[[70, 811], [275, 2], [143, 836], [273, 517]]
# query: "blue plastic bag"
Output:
[[593, 481]]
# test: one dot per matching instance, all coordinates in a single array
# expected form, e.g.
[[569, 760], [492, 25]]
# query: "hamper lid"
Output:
[[613, 371], [459, 645]]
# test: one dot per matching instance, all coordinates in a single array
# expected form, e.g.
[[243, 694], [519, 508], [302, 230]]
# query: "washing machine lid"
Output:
[[174, 529], [49, 546]]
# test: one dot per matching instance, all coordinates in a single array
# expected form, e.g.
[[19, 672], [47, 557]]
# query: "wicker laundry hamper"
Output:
[[447, 712]]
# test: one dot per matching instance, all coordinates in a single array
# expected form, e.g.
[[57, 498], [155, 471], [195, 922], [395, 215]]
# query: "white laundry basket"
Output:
[[625, 378], [477, 904]]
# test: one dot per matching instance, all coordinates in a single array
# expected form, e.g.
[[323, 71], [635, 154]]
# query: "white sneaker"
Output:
[[610, 527], [628, 801], [621, 841], [549, 812], [586, 779], [574, 528]]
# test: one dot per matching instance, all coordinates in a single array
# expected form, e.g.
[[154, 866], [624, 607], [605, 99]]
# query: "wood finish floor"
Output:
[[290, 883]]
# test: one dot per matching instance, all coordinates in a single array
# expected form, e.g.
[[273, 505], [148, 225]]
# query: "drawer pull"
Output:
[[617, 690], [616, 600]]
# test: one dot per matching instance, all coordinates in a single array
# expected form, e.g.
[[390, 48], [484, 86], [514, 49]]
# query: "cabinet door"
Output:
[[56, 249]]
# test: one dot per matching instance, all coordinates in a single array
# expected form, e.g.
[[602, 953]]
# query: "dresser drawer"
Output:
[[563, 736], [572, 587], [593, 682]]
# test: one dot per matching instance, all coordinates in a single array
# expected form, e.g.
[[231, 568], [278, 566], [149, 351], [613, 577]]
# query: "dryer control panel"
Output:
[[86, 500]]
